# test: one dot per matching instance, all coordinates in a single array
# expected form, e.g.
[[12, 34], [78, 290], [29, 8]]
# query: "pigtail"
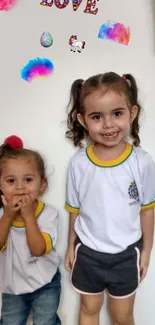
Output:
[[135, 130], [133, 86], [75, 132], [135, 127]]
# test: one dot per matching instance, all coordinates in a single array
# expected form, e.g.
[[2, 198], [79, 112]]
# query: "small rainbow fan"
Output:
[[39, 67]]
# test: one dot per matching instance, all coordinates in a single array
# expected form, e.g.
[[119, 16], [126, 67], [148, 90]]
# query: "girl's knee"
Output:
[[91, 306], [123, 320], [90, 310], [121, 311], [86, 309]]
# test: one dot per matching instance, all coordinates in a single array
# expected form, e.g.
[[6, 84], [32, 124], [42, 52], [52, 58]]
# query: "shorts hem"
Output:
[[86, 293], [123, 297]]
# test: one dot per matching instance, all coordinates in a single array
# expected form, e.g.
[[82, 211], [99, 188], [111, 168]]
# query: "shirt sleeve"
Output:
[[148, 183], [72, 196], [49, 230]]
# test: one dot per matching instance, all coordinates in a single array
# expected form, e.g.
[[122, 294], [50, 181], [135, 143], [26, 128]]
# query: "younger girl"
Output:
[[29, 275], [110, 197]]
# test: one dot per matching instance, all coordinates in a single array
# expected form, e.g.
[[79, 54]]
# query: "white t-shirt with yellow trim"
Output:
[[108, 197], [19, 271]]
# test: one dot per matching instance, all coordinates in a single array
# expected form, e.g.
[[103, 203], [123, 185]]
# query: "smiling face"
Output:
[[20, 176], [107, 117]]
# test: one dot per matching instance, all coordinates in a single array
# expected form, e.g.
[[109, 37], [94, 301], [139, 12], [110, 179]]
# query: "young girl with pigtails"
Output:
[[110, 197], [29, 265]]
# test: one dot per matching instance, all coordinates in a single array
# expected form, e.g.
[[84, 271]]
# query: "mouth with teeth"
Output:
[[110, 135]]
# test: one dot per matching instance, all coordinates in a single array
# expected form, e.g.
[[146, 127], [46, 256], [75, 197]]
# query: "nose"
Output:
[[19, 185], [107, 122]]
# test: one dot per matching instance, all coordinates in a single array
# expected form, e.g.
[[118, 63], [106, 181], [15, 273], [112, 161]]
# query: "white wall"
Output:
[[36, 112]]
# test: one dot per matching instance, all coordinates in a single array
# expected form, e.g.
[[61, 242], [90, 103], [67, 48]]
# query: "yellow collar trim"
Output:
[[109, 163], [39, 209]]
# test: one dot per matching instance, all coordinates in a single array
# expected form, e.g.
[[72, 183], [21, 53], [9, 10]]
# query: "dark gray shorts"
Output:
[[93, 272]]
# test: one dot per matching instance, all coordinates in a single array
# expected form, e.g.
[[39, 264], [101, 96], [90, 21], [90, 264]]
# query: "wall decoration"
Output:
[[46, 39], [76, 4], [6, 5], [46, 3], [39, 67], [75, 45], [89, 9], [115, 32], [63, 5]]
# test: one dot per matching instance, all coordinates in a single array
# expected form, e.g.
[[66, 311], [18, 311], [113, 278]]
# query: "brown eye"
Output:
[[96, 117], [10, 181], [29, 180], [118, 113]]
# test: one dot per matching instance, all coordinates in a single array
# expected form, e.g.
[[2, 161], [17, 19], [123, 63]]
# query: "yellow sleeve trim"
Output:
[[48, 241], [148, 206], [71, 209], [4, 247]]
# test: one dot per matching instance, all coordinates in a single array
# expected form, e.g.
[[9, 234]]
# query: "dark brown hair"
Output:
[[6, 152], [81, 89]]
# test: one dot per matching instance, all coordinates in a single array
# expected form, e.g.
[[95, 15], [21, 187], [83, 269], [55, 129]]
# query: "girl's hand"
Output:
[[12, 206], [27, 208], [144, 263], [70, 256]]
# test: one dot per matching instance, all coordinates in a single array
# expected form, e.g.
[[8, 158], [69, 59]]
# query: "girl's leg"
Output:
[[15, 310], [45, 303], [121, 310], [123, 282], [90, 309]]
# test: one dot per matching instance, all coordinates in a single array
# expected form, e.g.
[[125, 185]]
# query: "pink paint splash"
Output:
[[7, 5], [115, 32]]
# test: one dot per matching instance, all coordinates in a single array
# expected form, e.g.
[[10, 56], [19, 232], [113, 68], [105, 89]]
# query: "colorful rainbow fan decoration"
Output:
[[115, 32], [36, 68]]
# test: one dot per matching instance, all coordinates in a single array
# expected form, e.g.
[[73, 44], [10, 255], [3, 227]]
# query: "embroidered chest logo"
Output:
[[133, 192], [32, 260]]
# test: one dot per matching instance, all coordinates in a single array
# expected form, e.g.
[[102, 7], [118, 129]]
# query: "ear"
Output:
[[133, 113], [43, 186], [82, 121]]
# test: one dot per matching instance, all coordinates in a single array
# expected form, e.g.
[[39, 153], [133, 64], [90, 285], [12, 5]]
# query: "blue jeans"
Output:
[[43, 303]]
